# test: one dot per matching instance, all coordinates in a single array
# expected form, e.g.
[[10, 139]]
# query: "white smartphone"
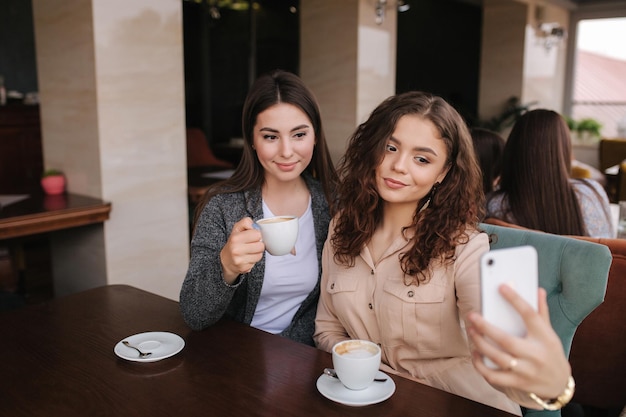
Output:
[[517, 267]]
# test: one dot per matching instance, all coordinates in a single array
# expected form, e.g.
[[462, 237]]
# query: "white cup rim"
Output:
[[355, 341], [266, 219]]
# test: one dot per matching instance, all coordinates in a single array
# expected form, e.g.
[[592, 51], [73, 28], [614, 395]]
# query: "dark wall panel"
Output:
[[439, 52]]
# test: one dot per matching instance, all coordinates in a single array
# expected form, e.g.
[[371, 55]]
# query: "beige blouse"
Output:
[[418, 327]]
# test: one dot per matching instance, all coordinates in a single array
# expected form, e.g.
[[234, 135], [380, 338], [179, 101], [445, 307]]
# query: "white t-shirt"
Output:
[[288, 279]]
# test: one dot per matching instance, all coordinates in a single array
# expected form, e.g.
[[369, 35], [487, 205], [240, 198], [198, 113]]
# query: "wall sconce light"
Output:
[[403, 6], [550, 34], [381, 5]]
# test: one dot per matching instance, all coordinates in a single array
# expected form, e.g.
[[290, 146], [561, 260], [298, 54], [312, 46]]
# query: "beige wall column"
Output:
[[502, 55], [348, 61], [514, 59], [112, 107]]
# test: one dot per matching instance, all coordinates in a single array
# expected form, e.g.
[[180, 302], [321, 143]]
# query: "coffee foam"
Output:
[[356, 350], [275, 220]]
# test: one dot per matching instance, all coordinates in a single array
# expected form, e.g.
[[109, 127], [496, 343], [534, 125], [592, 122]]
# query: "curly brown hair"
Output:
[[455, 206]]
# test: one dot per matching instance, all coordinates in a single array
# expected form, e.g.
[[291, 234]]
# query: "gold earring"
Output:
[[430, 197]]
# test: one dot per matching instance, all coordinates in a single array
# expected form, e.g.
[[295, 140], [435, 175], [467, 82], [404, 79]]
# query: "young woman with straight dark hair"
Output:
[[285, 169], [536, 190]]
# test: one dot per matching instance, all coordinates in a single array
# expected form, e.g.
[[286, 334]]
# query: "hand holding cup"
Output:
[[242, 250]]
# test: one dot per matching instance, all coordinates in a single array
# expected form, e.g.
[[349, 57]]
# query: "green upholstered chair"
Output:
[[573, 272]]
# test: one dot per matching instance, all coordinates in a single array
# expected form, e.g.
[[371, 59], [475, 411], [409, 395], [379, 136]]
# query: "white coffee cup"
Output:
[[356, 363], [279, 234]]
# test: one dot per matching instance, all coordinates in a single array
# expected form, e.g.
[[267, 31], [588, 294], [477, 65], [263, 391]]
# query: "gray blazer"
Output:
[[205, 297]]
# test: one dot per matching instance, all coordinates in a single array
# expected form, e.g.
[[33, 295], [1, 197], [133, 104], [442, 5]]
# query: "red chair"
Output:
[[199, 154]]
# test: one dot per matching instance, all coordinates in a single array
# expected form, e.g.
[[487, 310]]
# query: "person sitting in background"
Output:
[[583, 170], [285, 169], [401, 263], [536, 190], [489, 147]]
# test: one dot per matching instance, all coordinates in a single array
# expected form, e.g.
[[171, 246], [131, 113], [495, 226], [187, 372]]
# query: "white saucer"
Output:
[[333, 389], [161, 344]]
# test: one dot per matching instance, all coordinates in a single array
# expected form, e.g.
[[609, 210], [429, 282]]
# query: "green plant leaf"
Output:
[[52, 171]]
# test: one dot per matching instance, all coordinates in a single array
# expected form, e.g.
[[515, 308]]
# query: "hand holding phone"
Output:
[[516, 267]]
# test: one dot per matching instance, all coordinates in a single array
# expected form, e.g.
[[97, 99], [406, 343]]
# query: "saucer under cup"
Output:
[[377, 392]]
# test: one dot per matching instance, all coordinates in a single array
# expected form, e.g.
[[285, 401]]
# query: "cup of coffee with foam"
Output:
[[356, 363], [279, 234]]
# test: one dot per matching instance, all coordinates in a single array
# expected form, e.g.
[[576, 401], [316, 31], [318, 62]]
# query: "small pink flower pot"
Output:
[[53, 184]]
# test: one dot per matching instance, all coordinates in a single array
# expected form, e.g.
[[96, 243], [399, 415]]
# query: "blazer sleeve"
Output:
[[204, 295]]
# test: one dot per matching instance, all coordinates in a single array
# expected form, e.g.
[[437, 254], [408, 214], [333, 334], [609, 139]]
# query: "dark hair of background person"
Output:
[[536, 166], [489, 147], [268, 90], [457, 202]]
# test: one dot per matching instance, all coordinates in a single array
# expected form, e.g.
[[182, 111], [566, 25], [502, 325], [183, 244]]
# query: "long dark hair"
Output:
[[489, 147], [535, 177], [455, 206], [269, 89]]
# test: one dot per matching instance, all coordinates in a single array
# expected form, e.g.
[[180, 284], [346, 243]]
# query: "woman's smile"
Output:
[[286, 167], [391, 183]]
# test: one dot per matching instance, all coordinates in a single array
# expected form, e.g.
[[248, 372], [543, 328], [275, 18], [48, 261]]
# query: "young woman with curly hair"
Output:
[[401, 264]]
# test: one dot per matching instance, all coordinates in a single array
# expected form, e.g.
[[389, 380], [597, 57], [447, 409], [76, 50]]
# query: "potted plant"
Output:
[[589, 129], [53, 182], [585, 130], [513, 109]]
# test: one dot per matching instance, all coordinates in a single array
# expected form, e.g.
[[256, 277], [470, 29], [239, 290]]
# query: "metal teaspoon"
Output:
[[331, 372], [141, 354]]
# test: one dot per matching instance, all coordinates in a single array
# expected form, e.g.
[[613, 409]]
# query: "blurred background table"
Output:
[[60, 361], [200, 178], [40, 213], [25, 254]]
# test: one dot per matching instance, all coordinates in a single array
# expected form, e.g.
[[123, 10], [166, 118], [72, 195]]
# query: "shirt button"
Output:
[[410, 293], [372, 272], [371, 306], [332, 286]]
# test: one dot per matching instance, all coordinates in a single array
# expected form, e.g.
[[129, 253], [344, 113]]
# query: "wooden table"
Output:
[[42, 213], [58, 360], [199, 179]]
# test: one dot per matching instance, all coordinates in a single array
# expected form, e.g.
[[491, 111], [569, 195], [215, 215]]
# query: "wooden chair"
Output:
[[620, 186], [199, 154], [573, 272], [612, 152], [598, 352]]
